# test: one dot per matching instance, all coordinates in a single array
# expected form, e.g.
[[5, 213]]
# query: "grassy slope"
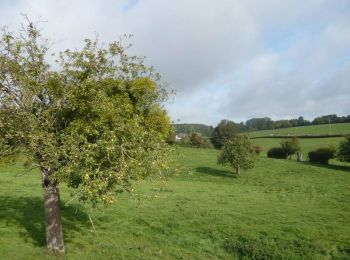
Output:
[[280, 208], [343, 128], [307, 145]]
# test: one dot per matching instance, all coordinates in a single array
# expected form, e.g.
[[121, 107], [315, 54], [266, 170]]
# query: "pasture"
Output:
[[334, 129], [280, 209]]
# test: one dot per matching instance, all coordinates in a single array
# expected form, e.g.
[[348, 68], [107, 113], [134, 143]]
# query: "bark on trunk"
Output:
[[238, 170], [54, 237]]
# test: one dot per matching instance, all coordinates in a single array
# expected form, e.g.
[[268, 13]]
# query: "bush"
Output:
[[196, 139], [344, 150], [290, 146], [277, 152], [322, 155], [257, 149]]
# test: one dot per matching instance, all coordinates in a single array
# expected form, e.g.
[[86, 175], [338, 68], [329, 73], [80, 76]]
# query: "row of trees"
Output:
[[264, 123], [202, 129]]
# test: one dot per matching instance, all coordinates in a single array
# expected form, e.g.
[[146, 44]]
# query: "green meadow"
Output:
[[280, 209], [307, 144], [334, 129]]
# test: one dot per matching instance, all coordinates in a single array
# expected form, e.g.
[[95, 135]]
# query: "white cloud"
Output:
[[228, 59]]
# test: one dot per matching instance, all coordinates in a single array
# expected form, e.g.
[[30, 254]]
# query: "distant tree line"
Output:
[[254, 124], [193, 128], [266, 123]]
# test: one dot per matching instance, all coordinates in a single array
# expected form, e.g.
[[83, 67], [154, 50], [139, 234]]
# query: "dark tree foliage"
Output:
[[277, 152], [196, 139], [224, 131], [322, 155], [204, 130], [259, 123], [344, 150]]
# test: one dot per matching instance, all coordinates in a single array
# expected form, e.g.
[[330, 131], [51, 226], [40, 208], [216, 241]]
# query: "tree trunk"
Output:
[[238, 170], [54, 237]]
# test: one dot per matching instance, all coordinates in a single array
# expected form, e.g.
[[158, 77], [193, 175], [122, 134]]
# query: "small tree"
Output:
[[344, 150], [238, 152], [95, 122], [290, 146]]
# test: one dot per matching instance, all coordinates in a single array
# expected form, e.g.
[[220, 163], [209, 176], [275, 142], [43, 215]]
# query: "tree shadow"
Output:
[[344, 168], [215, 172], [28, 212]]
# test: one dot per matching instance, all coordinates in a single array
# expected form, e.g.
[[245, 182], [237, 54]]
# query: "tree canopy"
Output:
[[95, 123], [344, 150], [224, 131], [238, 152], [290, 146]]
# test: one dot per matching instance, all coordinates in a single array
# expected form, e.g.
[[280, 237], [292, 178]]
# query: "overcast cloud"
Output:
[[226, 59]]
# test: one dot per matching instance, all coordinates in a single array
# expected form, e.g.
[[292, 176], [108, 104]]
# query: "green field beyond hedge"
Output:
[[333, 129], [279, 210]]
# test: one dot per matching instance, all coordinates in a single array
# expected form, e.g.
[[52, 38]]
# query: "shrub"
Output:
[[344, 150], [277, 152], [290, 146], [322, 155], [257, 149], [196, 139]]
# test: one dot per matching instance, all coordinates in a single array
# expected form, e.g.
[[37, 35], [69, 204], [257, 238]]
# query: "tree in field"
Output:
[[196, 139], [96, 123], [290, 146], [224, 131], [344, 150], [238, 152]]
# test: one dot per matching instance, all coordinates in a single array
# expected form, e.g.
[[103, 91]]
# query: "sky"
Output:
[[226, 59]]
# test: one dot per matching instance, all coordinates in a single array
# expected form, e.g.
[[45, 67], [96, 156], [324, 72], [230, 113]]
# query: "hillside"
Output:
[[189, 128], [341, 128]]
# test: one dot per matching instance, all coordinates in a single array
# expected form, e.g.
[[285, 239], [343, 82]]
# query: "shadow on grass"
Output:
[[344, 168], [28, 212], [215, 172]]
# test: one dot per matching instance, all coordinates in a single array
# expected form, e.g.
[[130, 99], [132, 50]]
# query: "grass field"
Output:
[[307, 144], [342, 128], [280, 209]]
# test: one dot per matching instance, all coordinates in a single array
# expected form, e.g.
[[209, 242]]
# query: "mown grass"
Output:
[[279, 210], [341, 128]]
